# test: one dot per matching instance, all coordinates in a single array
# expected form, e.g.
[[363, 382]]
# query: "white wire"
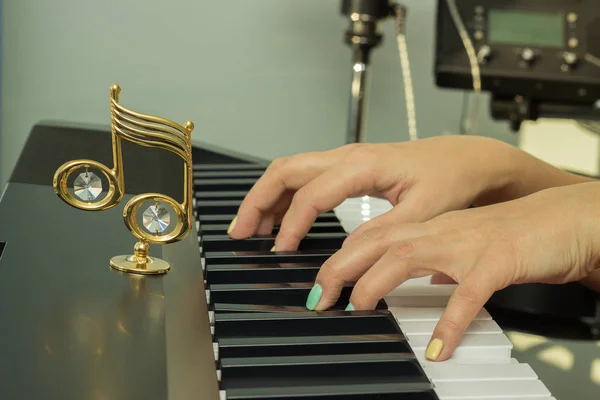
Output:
[[406, 74], [475, 71], [592, 59]]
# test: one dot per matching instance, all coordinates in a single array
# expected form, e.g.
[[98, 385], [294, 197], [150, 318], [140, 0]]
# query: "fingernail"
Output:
[[434, 349], [314, 296], [350, 307], [232, 225], [272, 249]]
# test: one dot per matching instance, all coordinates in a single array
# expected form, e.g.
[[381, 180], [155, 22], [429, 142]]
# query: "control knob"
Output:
[[484, 54], [528, 56], [570, 59]]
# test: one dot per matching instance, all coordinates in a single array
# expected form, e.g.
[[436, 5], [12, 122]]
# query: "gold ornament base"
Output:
[[140, 263]]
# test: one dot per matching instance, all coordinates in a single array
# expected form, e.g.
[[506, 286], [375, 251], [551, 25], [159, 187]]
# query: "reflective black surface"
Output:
[[72, 327]]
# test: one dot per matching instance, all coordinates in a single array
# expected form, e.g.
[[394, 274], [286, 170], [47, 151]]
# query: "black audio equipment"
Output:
[[536, 57]]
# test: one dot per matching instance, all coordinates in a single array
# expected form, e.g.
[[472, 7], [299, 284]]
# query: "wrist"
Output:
[[501, 168], [517, 174]]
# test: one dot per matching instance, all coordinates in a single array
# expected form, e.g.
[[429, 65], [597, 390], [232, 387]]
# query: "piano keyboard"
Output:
[[268, 346]]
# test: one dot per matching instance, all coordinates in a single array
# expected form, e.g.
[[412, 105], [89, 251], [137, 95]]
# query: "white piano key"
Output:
[[491, 390], [518, 398], [415, 295], [216, 351], [427, 327], [423, 281], [403, 314], [412, 290], [472, 346], [442, 372], [480, 360], [417, 301], [473, 359]]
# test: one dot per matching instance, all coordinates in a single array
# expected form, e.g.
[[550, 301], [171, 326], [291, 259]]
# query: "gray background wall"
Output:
[[266, 77]]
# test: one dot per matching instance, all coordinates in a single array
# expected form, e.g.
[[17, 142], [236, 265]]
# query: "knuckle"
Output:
[[304, 198], [404, 250], [348, 148], [332, 273], [374, 234], [279, 169], [466, 295], [363, 295], [277, 164], [449, 325], [366, 154]]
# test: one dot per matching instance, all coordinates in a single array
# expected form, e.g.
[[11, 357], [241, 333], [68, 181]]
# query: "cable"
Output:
[[592, 126], [592, 59], [475, 71], [406, 75], [462, 128]]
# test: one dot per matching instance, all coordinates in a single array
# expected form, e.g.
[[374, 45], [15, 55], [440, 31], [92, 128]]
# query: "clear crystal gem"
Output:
[[156, 218], [87, 186]]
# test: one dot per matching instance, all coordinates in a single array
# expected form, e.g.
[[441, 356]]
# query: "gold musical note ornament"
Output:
[[147, 131]]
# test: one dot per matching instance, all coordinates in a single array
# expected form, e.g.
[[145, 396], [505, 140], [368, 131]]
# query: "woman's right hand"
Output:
[[421, 179]]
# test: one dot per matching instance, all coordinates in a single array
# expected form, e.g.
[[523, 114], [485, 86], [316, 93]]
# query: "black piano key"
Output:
[[356, 391], [226, 195], [229, 167], [255, 308], [313, 241], [267, 257], [292, 294], [204, 207], [317, 227], [228, 174], [286, 294], [261, 273], [227, 218], [335, 369], [325, 323], [312, 345], [223, 184]]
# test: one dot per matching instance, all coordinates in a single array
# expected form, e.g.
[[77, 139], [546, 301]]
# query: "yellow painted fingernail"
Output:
[[232, 225], [434, 349], [272, 249]]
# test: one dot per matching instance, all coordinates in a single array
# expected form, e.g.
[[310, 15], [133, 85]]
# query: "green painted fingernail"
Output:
[[314, 296], [350, 307]]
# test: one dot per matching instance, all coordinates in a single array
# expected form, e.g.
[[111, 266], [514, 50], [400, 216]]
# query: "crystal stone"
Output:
[[156, 218], [87, 186]]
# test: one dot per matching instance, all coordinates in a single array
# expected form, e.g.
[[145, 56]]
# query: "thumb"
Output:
[[467, 300]]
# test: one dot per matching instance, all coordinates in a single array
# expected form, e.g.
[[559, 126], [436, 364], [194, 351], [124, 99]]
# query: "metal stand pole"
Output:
[[363, 34]]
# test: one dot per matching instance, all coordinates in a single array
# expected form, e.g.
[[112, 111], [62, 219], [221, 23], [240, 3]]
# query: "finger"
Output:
[[323, 193], [281, 176], [266, 225], [411, 258], [467, 300], [442, 279], [284, 174], [353, 261], [282, 207]]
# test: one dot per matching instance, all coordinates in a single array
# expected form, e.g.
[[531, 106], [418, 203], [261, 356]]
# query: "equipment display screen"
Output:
[[526, 28]]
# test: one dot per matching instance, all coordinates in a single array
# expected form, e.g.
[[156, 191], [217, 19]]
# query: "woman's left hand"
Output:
[[552, 236]]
